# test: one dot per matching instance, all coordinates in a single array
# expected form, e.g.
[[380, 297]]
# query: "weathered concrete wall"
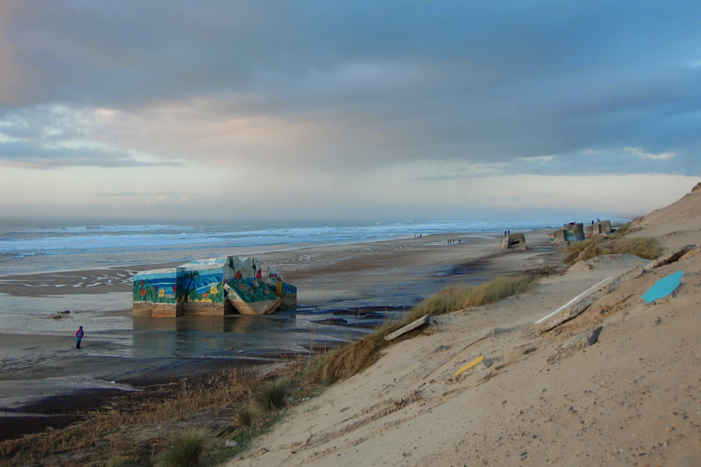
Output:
[[599, 228], [142, 309], [517, 240], [166, 310], [558, 236], [572, 232], [205, 309]]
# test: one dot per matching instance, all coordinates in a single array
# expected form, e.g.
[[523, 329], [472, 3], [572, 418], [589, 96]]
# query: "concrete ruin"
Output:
[[211, 287], [582, 301], [512, 241], [599, 228], [572, 232]]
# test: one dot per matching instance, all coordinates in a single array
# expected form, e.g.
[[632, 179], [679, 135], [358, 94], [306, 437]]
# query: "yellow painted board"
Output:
[[469, 365]]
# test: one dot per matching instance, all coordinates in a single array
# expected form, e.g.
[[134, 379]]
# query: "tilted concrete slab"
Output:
[[582, 301], [409, 327], [664, 287], [670, 258]]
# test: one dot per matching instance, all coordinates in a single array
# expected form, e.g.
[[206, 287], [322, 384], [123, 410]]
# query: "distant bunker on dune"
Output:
[[599, 228], [513, 241], [572, 232], [211, 287]]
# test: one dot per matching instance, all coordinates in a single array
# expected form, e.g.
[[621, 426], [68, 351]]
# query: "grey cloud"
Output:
[[461, 80], [21, 154], [133, 193]]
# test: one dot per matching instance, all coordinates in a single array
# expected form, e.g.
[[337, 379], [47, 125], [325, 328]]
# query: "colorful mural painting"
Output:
[[159, 287], [216, 286]]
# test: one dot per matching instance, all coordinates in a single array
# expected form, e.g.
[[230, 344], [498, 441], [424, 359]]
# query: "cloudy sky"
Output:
[[356, 109]]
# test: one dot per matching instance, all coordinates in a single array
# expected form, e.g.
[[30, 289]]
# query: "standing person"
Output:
[[79, 336]]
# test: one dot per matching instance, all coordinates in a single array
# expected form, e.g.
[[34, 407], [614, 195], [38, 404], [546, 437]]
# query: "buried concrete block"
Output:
[[582, 301], [664, 287], [671, 257], [409, 327]]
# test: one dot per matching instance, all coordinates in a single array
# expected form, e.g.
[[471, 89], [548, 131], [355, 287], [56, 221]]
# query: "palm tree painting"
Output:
[[192, 276]]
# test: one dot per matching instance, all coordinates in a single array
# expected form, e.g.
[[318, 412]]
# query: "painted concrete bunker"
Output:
[[572, 232], [213, 287]]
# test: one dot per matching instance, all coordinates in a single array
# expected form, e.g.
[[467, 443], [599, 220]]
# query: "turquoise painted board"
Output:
[[663, 287]]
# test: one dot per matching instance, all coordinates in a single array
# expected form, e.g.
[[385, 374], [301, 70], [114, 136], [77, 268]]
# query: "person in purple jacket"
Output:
[[79, 336]]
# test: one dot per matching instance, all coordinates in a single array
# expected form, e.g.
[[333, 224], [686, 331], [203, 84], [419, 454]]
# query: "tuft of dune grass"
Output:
[[272, 397], [185, 450], [247, 415], [352, 358]]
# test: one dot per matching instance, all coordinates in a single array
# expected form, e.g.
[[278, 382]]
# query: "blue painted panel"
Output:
[[663, 287]]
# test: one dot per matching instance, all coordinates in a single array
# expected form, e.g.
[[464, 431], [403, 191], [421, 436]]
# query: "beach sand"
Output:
[[41, 372]]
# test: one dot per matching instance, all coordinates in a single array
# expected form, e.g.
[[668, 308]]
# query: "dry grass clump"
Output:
[[272, 397], [185, 450], [643, 247], [345, 361], [352, 358], [246, 416]]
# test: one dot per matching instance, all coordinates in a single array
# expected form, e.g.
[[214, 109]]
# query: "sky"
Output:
[[364, 109]]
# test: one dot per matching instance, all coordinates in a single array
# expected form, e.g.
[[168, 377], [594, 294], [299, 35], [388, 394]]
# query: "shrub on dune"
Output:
[[272, 396], [186, 449]]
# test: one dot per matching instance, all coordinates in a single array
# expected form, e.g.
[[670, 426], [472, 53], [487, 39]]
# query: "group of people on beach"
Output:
[[452, 241], [507, 233]]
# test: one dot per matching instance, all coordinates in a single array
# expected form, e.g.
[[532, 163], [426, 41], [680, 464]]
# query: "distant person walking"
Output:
[[79, 336]]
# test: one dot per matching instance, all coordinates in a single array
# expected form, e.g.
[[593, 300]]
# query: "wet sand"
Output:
[[43, 372]]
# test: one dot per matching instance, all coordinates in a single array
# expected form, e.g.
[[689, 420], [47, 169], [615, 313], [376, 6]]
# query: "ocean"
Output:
[[30, 246], [33, 246]]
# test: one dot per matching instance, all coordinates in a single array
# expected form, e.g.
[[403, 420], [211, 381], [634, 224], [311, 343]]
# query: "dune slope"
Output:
[[631, 398]]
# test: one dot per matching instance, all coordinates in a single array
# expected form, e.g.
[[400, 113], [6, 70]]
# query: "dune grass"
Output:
[[614, 244], [272, 397], [352, 358], [246, 416], [185, 450], [461, 297]]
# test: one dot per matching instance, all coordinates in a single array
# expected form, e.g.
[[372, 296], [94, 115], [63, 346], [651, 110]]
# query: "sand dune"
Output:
[[632, 398]]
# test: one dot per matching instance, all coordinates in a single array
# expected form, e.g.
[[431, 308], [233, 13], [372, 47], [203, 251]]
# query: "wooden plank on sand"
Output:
[[409, 327], [582, 301]]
